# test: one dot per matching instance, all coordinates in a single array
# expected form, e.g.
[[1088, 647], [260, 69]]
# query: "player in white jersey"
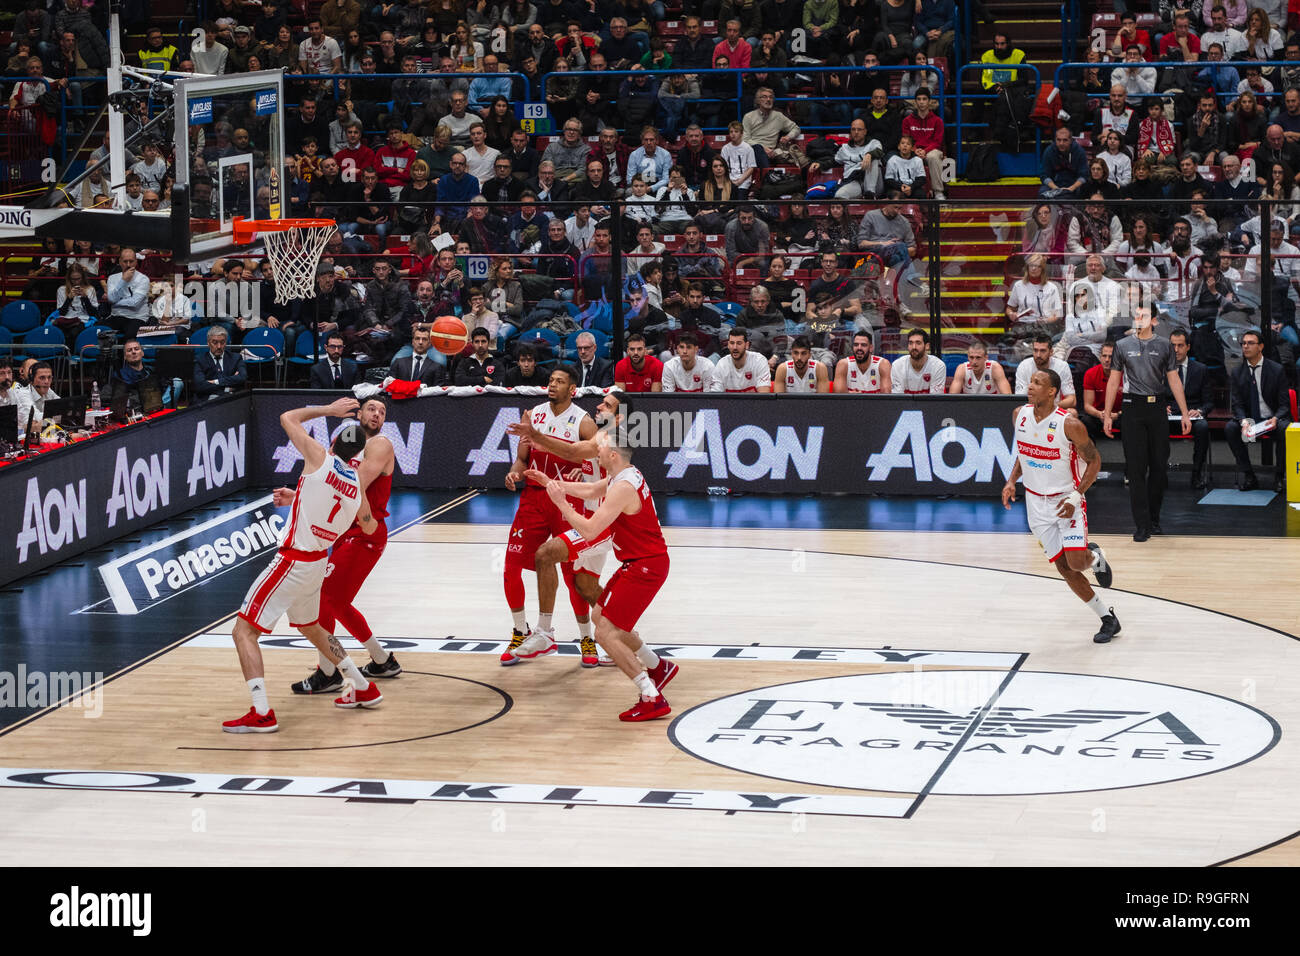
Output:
[[687, 371], [742, 370], [917, 372], [1058, 463], [591, 561], [863, 373], [801, 373], [329, 495], [537, 520], [978, 376], [1041, 361]]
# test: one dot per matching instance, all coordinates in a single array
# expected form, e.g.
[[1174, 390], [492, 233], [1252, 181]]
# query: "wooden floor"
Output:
[[739, 605]]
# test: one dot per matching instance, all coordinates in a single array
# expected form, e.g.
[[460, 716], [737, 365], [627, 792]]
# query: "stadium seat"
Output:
[[304, 350], [6, 339], [261, 354], [542, 339], [46, 342], [671, 28], [729, 309], [154, 342], [86, 348], [21, 316]]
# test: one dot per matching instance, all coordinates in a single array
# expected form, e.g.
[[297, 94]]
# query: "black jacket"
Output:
[[1196, 389], [470, 371], [431, 373], [1274, 390], [601, 373], [231, 374], [322, 377]]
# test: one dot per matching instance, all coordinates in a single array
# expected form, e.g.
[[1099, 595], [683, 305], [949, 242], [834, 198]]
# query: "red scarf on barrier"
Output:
[[402, 389]]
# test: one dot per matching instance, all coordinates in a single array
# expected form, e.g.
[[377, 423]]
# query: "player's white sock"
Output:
[[326, 665], [647, 657], [543, 621], [521, 624], [584, 629], [257, 687], [353, 673], [1097, 607], [378, 653], [646, 686]]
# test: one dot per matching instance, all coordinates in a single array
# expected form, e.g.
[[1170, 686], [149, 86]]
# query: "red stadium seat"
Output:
[[672, 242], [1106, 21], [672, 28]]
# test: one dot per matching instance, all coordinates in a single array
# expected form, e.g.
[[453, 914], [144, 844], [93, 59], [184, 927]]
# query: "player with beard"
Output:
[[354, 556], [743, 370], [627, 513], [638, 371], [591, 558], [978, 376], [537, 519], [862, 373], [918, 373], [1059, 463], [801, 374]]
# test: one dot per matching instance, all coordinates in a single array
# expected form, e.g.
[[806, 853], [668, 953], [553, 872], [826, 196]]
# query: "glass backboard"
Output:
[[230, 129]]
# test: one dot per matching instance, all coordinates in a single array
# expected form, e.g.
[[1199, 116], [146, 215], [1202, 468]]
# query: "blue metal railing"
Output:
[[1071, 17], [1198, 66], [990, 97]]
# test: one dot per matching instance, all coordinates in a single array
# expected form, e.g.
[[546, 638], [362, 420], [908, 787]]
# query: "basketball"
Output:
[[449, 335]]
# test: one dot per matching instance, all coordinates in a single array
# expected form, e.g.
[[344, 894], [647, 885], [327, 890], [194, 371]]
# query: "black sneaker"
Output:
[[388, 669], [319, 683], [1101, 571], [1109, 628]]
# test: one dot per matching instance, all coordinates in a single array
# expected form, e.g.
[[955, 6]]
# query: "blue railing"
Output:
[[1071, 17], [989, 97], [1198, 66]]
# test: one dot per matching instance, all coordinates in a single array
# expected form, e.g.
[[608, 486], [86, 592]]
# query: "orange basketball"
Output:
[[449, 335]]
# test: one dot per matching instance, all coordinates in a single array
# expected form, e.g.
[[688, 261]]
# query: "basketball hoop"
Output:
[[294, 248]]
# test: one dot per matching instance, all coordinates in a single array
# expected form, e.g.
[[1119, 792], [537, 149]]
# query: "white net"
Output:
[[294, 254]]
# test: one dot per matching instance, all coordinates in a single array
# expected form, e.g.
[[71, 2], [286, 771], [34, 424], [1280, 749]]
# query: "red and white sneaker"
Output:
[[647, 710], [252, 723], [537, 644], [590, 653], [508, 655], [352, 697], [662, 674]]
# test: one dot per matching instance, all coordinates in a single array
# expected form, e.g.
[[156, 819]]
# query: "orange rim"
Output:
[[247, 229]]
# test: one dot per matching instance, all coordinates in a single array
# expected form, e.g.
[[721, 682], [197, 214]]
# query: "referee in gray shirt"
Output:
[[1145, 363]]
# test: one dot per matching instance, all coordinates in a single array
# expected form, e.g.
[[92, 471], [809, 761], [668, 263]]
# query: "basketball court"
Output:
[[846, 697]]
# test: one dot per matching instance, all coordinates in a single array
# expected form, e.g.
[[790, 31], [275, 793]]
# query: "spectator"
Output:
[[1263, 42], [465, 51], [527, 226], [1041, 361], [1259, 396], [591, 371], [613, 154], [335, 371], [622, 49], [355, 155], [1205, 231], [127, 295], [31, 400], [1095, 301], [504, 294], [217, 371], [936, 25], [1034, 302], [526, 372], [1119, 167], [34, 27], [1231, 40], [860, 159], [594, 190], [568, 154], [393, 159], [595, 266], [1128, 34], [558, 259], [1182, 39], [837, 230], [420, 365], [770, 131], [884, 124], [1286, 273], [1001, 61], [732, 46], [1064, 166], [740, 159], [386, 315], [926, 130], [763, 318], [693, 50], [1095, 231], [695, 259], [893, 44], [748, 240], [1153, 138], [318, 54], [483, 231], [1099, 181], [904, 170], [1137, 79], [75, 305], [676, 204], [918, 372], [888, 234], [484, 89], [480, 157]]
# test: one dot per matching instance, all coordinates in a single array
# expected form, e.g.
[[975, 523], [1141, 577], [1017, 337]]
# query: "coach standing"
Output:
[[1142, 365]]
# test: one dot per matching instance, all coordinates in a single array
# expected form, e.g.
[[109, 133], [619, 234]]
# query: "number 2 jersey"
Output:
[[1049, 462]]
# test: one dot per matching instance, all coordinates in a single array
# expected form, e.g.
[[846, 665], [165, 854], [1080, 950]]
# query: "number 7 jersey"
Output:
[[324, 506]]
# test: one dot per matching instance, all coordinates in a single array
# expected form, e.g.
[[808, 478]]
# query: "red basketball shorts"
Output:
[[632, 588]]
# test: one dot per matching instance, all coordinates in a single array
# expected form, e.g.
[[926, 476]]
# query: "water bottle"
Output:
[[718, 490], [94, 396]]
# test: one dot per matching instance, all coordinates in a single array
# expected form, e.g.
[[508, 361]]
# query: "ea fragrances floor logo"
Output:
[[1046, 733]]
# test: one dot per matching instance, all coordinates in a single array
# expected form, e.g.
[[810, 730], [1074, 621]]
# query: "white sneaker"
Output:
[[604, 660], [537, 644]]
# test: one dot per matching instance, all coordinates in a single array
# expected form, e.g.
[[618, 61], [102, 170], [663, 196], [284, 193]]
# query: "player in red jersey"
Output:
[[354, 556], [629, 512], [537, 520], [328, 497], [556, 551]]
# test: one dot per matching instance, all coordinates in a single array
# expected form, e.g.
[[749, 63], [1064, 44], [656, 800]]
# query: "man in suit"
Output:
[[418, 366], [1260, 394], [334, 371], [216, 371], [1200, 402], [589, 369]]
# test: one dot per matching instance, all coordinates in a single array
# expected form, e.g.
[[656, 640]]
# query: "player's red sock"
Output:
[[579, 604]]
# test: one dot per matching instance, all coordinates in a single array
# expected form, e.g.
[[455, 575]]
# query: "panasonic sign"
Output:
[[156, 572]]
